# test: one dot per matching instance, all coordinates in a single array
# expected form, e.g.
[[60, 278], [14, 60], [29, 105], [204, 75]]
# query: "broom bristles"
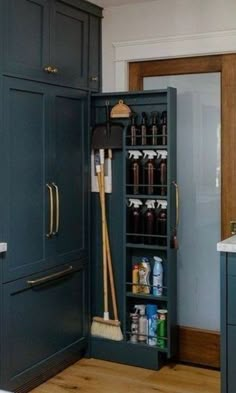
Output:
[[106, 329]]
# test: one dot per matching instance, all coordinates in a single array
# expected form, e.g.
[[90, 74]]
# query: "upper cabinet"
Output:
[[50, 42]]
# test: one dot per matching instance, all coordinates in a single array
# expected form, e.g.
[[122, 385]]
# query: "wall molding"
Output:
[[212, 43]]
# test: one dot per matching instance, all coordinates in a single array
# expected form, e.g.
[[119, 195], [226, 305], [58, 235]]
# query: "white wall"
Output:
[[161, 19]]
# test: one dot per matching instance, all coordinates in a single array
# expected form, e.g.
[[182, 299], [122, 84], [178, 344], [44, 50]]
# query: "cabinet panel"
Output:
[[231, 359], [26, 37], [94, 52], [23, 170], [71, 173], [69, 45], [42, 320], [231, 300]]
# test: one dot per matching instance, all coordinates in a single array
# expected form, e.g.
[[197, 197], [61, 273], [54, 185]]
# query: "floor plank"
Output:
[[90, 376]]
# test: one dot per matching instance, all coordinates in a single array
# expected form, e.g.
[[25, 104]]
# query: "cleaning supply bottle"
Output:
[[149, 221], [143, 129], [162, 172], [161, 222], [144, 276], [153, 130], [142, 323], [135, 278], [163, 128], [151, 311], [134, 326], [135, 220], [133, 132], [149, 171], [157, 288], [135, 172]]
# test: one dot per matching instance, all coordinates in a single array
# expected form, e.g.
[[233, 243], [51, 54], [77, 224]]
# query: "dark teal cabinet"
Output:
[[44, 144], [26, 38], [49, 41], [228, 322], [44, 323]]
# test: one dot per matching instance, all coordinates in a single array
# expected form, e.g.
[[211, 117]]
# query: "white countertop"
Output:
[[227, 245]]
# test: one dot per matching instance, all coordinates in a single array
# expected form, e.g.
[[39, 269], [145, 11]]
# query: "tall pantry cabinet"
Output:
[[49, 63]]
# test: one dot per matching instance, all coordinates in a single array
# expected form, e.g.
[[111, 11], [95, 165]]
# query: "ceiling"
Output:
[[111, 3]]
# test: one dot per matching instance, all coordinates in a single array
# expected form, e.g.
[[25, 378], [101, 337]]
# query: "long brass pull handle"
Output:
[[50, 277], [49, 234], [57, 209]]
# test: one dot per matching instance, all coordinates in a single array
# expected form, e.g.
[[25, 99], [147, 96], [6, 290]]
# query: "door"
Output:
[[24, 152], [26, 42], [70, 174], [94, 52], [44, 322], [69, 45]]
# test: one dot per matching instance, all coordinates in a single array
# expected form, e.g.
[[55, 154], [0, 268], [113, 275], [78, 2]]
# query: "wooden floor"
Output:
[[90, 376]]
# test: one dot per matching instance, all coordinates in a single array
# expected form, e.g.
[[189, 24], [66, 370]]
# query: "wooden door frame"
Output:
[[191, 341], [226, 65]]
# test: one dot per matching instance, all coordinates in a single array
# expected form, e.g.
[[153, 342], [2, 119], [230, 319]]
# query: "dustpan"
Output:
[[107, 135]]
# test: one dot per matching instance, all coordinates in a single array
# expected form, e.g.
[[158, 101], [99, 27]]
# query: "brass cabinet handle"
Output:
[[57, 209], [176, 202], [50, 233], [50, 277], [94, 78], [51, 69]]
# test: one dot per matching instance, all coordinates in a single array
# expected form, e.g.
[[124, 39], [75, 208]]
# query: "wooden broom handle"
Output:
[[108, 250], [103, 211]]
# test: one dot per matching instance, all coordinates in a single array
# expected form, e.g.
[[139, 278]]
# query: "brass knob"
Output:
[[51, 69], [94, 78]]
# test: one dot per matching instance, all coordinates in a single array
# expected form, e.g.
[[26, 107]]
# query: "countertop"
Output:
[[227, 245]]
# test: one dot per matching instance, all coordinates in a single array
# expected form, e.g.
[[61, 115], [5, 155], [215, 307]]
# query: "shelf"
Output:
[[147, 147], [146, 296], [152, 348], [146, 246], [145, 196]]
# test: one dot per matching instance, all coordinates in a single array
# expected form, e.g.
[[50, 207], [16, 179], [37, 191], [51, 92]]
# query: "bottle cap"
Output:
[[150, 153], [151, 309], [134, 154], [150, 203], [158, 259], [135, 203], [162, 153], [162, 203]]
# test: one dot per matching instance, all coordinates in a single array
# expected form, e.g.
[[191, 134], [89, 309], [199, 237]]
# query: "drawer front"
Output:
[[231, 300], [42, 318], [231, 264]]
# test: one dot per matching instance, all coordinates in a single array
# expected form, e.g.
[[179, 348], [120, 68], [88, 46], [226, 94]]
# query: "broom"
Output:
[[106, 327]]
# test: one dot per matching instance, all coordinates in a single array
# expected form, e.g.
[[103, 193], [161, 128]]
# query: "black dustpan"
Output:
[[107, 135]]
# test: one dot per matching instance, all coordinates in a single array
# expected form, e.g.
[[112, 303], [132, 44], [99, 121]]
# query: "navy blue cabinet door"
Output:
[[24, 152], [44, 324], [26, 38], [94, 53], [69, 45], [70, 173]]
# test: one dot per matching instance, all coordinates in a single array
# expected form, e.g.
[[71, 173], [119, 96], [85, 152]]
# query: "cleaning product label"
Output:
[[157, 284]]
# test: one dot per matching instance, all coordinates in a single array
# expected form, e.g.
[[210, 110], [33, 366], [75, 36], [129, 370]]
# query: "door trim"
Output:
[[226, 65]]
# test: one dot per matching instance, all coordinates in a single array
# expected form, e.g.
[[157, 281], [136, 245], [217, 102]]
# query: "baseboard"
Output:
[[199, 346]]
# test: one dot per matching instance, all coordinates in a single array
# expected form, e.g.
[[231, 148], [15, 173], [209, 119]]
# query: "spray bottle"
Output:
[[161, 222], [149, 171], [143, 129], [149, 221], [132, 132], [153, 130], [135, 173], [135, 221], [157, 277], [162, 171], [142, 323]]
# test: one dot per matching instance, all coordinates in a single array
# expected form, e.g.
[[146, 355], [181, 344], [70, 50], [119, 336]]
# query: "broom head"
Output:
[[109, 329]]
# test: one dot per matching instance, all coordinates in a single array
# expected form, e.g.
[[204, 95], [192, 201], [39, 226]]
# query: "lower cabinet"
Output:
[[45, 324]]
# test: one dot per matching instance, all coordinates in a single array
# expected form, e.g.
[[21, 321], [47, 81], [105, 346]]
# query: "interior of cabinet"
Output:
[[125, 253]]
